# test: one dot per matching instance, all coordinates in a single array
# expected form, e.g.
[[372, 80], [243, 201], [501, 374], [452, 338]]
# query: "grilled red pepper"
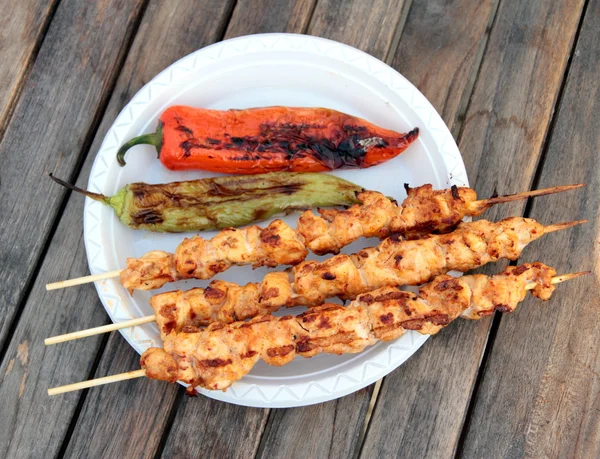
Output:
[[259, 140]]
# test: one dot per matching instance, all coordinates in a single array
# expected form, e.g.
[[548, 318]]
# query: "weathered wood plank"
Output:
[[519, 79], [208, 428], [119, 420], [329, 429], [22, 24], [75, 67], [121, 412], [515, 93], [440, 51], [33, 424], [539, 393], [369, 26], [72, 74], [269, 16]]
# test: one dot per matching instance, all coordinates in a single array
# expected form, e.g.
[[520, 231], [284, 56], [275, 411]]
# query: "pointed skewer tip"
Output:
[[528, 194], [559, 279], [563, 225], [566, 277]]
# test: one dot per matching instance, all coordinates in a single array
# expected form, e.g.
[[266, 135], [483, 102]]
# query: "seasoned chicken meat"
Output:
[[394, 262], [221, 354]]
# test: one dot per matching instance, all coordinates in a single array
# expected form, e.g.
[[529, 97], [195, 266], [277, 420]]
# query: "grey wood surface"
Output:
[[494, 69], [542, 381], [331, 429], [164, 36], [441, 377], [22, 32], [70, 80], [372, 27], [120, 413], [440, 51], [74, 71], [270, 16]]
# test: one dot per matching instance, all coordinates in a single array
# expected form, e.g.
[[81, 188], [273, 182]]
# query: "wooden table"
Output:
[[517, 82]]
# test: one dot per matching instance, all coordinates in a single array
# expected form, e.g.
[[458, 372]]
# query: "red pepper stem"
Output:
[[152, 139], [89, 194]]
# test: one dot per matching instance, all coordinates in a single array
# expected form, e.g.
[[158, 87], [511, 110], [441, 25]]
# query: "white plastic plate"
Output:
[[254, 71]]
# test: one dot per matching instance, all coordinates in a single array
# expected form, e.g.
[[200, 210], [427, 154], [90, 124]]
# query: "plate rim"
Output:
[[251, 394]]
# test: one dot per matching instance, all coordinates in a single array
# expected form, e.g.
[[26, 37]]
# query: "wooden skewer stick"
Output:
[[562, 278], [140, 373], [97, 382], [562, 226], [99, 330], [152, 318], [526, 194], [83, 280]]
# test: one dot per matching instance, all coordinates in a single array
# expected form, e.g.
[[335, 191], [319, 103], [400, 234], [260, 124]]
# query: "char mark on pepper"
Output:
[[147, 217], [185, 130], [344, 148]]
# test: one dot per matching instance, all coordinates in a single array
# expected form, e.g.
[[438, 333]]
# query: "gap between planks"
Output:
[[465, 101], [555, 109], [311, 13], [494, 327], [391, 52], [367, 422], [456, 131], [120, 62], [18, 89], [226, 21], [86, 145], [69, 433], [169, 424]]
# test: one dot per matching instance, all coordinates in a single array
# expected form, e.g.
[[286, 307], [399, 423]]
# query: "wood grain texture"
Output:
[[539, 393], [33, 424], [368, 26], [335, 430], [514, 96], [269, 16], [440, 50], [207, 428], [437, 382], [73, 70], [67, 87], [22, 24], [120, 418]]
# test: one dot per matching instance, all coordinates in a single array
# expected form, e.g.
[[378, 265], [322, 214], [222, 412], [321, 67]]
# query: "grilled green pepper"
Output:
[[222, 202]]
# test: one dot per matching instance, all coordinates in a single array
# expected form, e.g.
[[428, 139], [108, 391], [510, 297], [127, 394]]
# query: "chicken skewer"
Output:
[[394, 262], [424, 211], [221, 354]]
